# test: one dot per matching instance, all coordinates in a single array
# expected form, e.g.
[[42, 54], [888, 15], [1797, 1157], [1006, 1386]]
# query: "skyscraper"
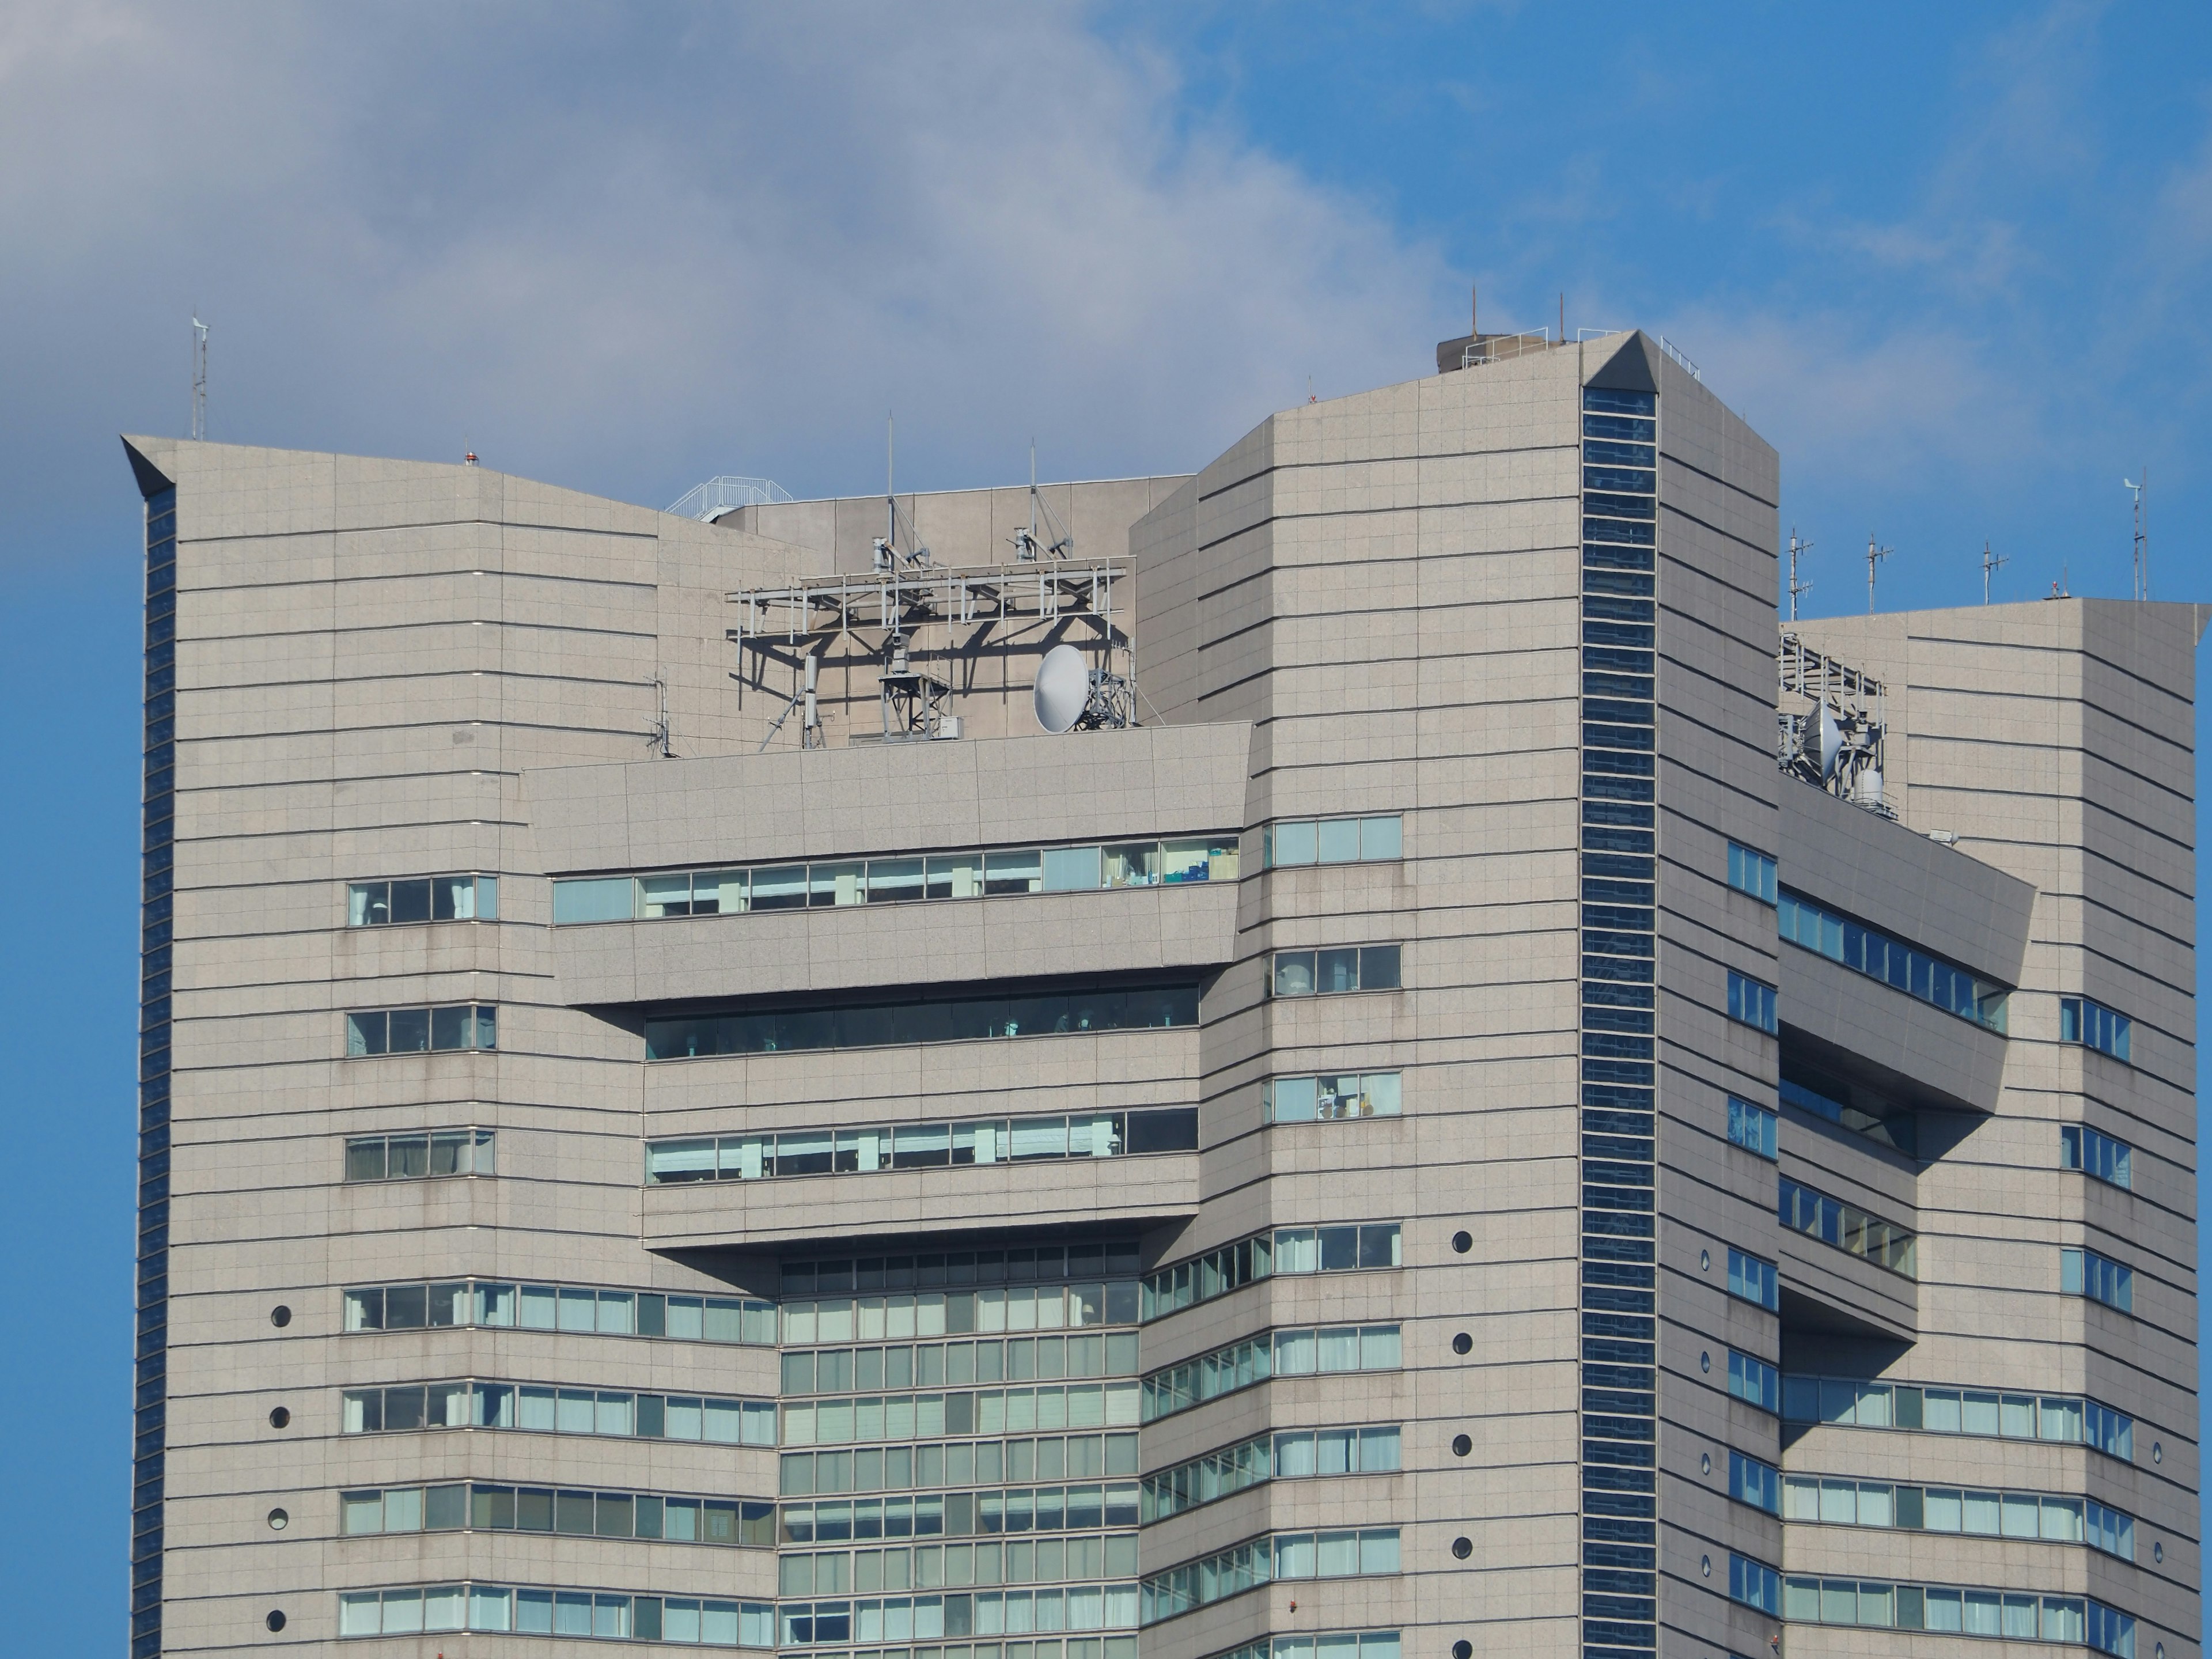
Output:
[[1485, 1097]]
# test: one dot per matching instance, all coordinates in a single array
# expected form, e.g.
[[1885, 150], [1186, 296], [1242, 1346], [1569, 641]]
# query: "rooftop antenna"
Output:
[[200, 379], [883, 543], [1992, 564], [1875, 556], [1798, 551], [1028, 548], [2142, 540]]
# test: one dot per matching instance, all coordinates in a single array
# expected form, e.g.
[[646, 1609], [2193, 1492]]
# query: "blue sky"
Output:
[[1955, 261]]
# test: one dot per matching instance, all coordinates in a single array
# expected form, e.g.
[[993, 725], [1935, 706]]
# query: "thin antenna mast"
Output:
[[1992, 564], [2142, 538], [200, 379], [1798, 551], [1875, 556]]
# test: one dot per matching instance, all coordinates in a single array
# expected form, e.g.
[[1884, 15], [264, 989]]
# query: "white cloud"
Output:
[[621, 250]]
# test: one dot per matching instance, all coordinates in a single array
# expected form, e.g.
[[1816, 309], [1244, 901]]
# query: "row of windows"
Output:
[[830, 1422], [2068, 1619], [964, 1514], [422, 898], [1108, 1259], [1752, 1379], [544, 1409], [1848, 1228], [1336, 1645], [1291, 841], [959, 1566], [2096, 1153], [1335, 972], [1346, 1555], [969, 1018], [1750, 873], [1285, 1250], [940, 1313], [1950, 1508], [1845, 1401], [2084, 1273], [419, 1156], [1303, 1352], [1016, 1359], [574, 1308], [1754, 1281], [1296, 1454], [610, 1617], [1897, 1130], [421, 1031], [1074, 1647], [1323, 1099], [963, 1462], [983, 1613], [2082, 1021], [994, 874], [1751, 1001], [1751, 1127], [1810, 924], [921, 1145], [536, 1509]]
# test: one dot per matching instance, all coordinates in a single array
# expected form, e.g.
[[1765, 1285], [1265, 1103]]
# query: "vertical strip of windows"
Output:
[[150, 1400], [1619, 1014]]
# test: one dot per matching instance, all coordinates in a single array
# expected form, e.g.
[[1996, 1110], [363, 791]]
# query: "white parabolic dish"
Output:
[[1063, 687]]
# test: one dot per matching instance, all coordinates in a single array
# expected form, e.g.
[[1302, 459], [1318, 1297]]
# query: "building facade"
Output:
[[1486, 1098]]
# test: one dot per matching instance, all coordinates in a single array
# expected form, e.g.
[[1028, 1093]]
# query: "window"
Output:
[[921, 1145], [1328, 973], [1750, 873], [1751, 1127], [1347, 1554], [902, 880], [2084, 1273], [1834, 1502], [840, 1370], [585, 1614], [1751, 1002], [1879, 1122], [421, 1030], [902, 1468], [1294, 1454], [952, 1017], [1848, 1228], [2095, 1026], [1338, 1644], [2097, 1154], [422, 898], [1753, 1280], [1813, 926], [1310, 1099], [482, 1508], [1849, 1402], [574, 1308], [980, 1612], [1286, 1250], [2017, 1616], [1752, 1482], [544, 1409], [1755, 1380], [1332, 840], [1755, 1584], [419, 1156], [1300, 1351], [970, 1514]]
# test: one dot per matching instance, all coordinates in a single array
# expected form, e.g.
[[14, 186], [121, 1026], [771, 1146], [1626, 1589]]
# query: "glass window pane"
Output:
[[1337, 971], [1382, 838], [409, 1030], [1294, 973], [603, 899], [834, 885], [1340, 841], [894, 881], [780, 888], [955, 876], [1021, 871], [659, 896], [410, 900], [1072, 869], [1295, 842]]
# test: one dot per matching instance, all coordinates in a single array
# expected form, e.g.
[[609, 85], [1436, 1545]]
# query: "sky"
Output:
[[1954, 261]]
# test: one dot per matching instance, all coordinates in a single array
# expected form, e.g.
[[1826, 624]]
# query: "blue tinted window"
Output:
[[1753, 1280], [1755, 1380], [1751, 871], [2092, 1153], [1752, 1482], [2084, 1273], [2095, 1026], [1751, 1002], [1608, 400]]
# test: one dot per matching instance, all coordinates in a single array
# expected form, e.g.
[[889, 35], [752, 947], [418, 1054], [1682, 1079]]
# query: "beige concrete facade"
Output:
[[1377, 611]]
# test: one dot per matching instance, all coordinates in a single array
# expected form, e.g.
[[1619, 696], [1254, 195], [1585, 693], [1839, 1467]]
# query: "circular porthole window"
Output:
[[1462, 1548], [2158, 1552], [278, 1520], [1462, 1445], [276, 1619], [280, 1418], [280, 1315], [1462, 1343], [1705, 1566], [1466, 1650], [1705, 1261], [1462, 1243], [1705, 1464], [2158, 1451], [1704, 1362]]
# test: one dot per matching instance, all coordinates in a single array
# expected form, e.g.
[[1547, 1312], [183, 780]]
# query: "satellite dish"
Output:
[[1063, 688], [1832, 742]]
